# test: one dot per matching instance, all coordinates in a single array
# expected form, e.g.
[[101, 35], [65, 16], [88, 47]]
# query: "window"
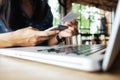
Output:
[[92, 20], [93, 23]]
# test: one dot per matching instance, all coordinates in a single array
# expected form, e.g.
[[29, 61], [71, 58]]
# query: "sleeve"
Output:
[[3, 27]]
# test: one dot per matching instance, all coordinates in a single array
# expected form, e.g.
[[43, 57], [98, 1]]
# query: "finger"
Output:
[[68, 24], [47, 33], [70, 32], [41, 39], [51, 33], [72, 23], [73, 30]]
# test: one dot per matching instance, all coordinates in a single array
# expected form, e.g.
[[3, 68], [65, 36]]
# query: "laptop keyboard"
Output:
[[76, 50]]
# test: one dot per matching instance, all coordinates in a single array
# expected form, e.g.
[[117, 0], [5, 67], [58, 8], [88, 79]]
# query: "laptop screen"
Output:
[[113, 45]]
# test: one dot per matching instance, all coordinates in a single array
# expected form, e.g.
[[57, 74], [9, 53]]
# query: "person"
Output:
[[20, 14], [25, 37], [28, 36]]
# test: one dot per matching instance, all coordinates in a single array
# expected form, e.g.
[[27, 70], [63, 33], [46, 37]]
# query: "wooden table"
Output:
[[19, 69]]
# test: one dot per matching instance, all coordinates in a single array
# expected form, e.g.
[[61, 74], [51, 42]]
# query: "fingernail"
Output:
[[57, 31]]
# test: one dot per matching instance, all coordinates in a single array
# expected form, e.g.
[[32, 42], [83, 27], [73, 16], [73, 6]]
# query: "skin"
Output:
[[30, 36], [72, 26], [69, 32], [25, 37]]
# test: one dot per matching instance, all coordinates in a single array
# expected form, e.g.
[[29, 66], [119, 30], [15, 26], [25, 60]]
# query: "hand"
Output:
[[30, 36], [71, 30]]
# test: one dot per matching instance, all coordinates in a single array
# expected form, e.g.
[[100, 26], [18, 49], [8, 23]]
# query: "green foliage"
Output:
[[84, 22], [55, 21], [75, 8]]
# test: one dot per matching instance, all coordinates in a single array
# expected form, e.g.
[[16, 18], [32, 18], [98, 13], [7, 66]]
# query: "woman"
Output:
[[37, 14], [23, 37]]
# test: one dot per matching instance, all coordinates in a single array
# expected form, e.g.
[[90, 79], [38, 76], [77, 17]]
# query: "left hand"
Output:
[[70, 31]]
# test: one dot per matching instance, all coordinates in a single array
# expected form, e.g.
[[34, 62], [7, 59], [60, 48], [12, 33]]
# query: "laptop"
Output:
[[81, 57]]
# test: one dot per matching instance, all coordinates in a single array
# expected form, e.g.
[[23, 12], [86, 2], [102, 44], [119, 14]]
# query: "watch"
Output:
[[59, 39]]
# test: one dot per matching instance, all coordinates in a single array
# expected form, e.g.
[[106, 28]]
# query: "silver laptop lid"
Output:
[[114, 42]]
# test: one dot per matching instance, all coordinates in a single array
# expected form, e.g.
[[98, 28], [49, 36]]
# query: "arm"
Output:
[[25, 37], [5, 40], [69, 32]]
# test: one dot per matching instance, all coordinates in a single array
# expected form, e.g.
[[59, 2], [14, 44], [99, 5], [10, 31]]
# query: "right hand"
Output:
[[30, 36]]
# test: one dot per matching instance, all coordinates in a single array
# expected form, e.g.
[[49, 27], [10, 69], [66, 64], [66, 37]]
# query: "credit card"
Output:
[[70, 16]]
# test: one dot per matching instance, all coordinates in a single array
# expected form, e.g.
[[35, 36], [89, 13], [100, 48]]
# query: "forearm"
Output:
[[6, 40], [52, 41]]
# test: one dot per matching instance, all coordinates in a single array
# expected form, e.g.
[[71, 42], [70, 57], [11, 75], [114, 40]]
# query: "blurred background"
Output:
[[95, 20]]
